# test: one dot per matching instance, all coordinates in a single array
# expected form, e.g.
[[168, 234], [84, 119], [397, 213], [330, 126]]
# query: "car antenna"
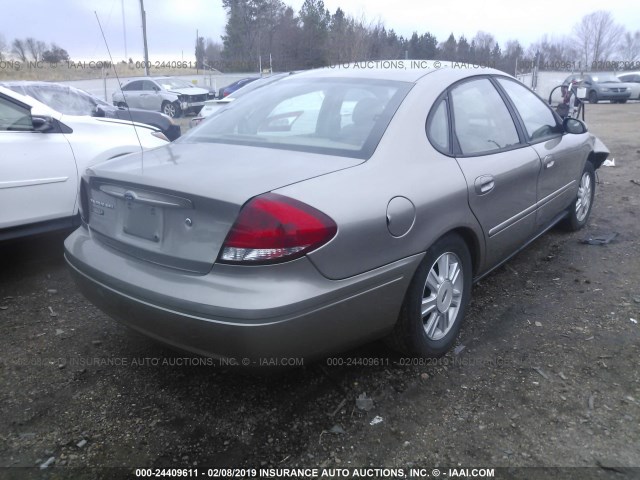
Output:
[[115, 71]]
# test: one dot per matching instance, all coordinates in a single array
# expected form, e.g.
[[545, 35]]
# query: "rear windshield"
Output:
[[66, 100], [331, 116]]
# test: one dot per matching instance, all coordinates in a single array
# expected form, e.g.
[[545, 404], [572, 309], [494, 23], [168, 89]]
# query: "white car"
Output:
[[44, 153], [633, 79], [170, 96]]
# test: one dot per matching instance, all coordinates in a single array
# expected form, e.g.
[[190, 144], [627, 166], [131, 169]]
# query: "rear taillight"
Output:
[[273, 228]]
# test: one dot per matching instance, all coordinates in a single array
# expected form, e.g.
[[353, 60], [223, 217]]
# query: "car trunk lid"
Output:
[[174, 205]]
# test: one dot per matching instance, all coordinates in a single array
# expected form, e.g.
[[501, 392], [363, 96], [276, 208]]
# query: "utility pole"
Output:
[[124, 32], [144, 37]]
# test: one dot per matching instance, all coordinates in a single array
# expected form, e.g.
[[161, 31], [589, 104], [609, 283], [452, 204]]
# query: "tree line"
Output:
[[32, 50], [270, 32]]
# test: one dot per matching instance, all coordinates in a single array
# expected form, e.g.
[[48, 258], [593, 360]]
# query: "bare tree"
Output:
[[630, 47], [3, 46], [553, 51], [35, 48], [483, 44], [212, 53], [19, 49], [598, 36]]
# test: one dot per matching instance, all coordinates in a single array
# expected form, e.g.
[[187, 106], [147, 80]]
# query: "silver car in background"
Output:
[[171, 96], [344, 206]]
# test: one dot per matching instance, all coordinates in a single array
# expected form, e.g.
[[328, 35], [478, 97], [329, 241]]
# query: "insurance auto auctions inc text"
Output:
[[416, 473]]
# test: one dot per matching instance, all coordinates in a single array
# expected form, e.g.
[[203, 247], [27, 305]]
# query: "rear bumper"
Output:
[[614, 95], [244, 313]]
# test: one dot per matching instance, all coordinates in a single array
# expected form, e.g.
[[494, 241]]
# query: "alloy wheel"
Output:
[[584, 197], [442, 297]]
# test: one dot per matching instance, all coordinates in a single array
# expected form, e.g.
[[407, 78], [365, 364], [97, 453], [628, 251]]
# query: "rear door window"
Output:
[[133, 86]]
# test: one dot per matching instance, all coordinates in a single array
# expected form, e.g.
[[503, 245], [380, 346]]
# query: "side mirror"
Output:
[[574, 126], [98, 112], [42, 124]]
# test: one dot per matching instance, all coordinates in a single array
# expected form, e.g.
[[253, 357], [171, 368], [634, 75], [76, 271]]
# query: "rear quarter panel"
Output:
[[404, 164]]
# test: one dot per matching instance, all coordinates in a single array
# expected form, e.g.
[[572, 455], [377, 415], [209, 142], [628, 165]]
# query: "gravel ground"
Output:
[[545, 375]]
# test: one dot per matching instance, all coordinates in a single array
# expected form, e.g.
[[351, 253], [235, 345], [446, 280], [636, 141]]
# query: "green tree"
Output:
[[55, 54], [463, 51], [448, 49], [200, 52], [315, 20]]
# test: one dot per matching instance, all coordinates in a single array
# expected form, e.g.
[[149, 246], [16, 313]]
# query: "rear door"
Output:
[[562, 156], [150, 98], [501, 171], [38, 175], [133, 94]]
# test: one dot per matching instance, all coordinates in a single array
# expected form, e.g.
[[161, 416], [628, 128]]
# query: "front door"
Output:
[[38, 175]]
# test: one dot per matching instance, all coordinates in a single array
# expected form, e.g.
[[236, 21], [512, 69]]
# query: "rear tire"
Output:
[[593, 97], [436, 300], [581, 207]]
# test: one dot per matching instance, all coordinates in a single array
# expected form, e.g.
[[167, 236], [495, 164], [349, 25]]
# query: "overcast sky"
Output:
[[172, 24]]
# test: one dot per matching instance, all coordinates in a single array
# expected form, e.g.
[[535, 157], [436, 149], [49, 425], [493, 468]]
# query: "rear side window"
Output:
[[438, 127], [130, 87], [334, 116], [482, 121], [538, 119], [63, 99], [14, 117]]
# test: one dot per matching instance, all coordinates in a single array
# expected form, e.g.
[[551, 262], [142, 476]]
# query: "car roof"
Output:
[[401, 70], [126, 81]]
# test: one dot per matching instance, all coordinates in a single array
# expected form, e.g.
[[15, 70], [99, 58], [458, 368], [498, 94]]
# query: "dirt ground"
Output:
[[546, 373]]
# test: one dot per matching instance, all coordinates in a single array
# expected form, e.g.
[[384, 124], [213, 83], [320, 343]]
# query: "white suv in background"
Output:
[[44, 153], [633, 79]]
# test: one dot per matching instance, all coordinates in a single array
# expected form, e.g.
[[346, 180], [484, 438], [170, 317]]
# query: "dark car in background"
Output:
[[601, 86], [229, 89], [72, 101]]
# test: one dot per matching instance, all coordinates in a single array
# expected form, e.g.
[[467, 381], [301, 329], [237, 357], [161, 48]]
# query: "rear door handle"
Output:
[[484, 184], [548, 161]]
